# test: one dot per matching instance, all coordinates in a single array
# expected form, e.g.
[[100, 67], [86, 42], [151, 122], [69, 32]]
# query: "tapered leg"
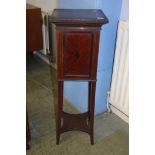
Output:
[[89, 94], [92, 89], [59, 110]]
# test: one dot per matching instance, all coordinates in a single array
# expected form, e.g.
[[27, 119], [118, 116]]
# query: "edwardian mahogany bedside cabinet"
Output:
[[78, 33]]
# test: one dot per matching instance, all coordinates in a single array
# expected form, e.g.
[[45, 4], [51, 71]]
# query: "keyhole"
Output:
[[76, 55]]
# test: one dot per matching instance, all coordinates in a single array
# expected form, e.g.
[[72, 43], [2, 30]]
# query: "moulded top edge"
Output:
[[78, 16]]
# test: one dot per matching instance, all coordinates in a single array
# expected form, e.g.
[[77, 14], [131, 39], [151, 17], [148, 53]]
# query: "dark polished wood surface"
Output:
[[77, 61], [34, 38], [77, 52], [78, 33], [78, 16]]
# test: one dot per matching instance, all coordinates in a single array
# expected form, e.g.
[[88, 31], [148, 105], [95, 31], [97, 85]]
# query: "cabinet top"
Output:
[[78, 16]]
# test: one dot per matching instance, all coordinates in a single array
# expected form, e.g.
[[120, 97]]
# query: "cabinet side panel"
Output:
[[59, 36]]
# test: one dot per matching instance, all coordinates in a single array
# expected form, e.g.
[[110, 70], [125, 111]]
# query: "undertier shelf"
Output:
[[78, 122]]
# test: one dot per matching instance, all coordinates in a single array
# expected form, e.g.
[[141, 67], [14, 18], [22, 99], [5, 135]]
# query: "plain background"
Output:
[[13, 77]]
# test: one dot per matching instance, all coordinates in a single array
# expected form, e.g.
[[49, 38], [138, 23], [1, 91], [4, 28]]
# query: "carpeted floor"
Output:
[[110, 132]]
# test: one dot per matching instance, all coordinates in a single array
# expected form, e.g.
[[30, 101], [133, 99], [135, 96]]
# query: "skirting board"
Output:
[[45, 59], [119, 114]]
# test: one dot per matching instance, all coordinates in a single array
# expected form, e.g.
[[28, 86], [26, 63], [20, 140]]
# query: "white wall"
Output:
[[45, 5], [125, 10]]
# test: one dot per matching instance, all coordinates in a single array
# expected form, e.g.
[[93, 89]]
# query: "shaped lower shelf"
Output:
[[78, 122]]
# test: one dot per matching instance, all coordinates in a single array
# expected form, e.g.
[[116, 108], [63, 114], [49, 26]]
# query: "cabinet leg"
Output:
[[89, 94], [92, 89], [59, 110]]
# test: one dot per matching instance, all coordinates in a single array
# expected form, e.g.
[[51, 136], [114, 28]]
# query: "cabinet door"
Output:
[[77, 54]]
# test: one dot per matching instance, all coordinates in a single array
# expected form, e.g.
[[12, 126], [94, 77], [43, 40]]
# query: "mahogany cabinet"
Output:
[[34, 38], [78, 34]]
